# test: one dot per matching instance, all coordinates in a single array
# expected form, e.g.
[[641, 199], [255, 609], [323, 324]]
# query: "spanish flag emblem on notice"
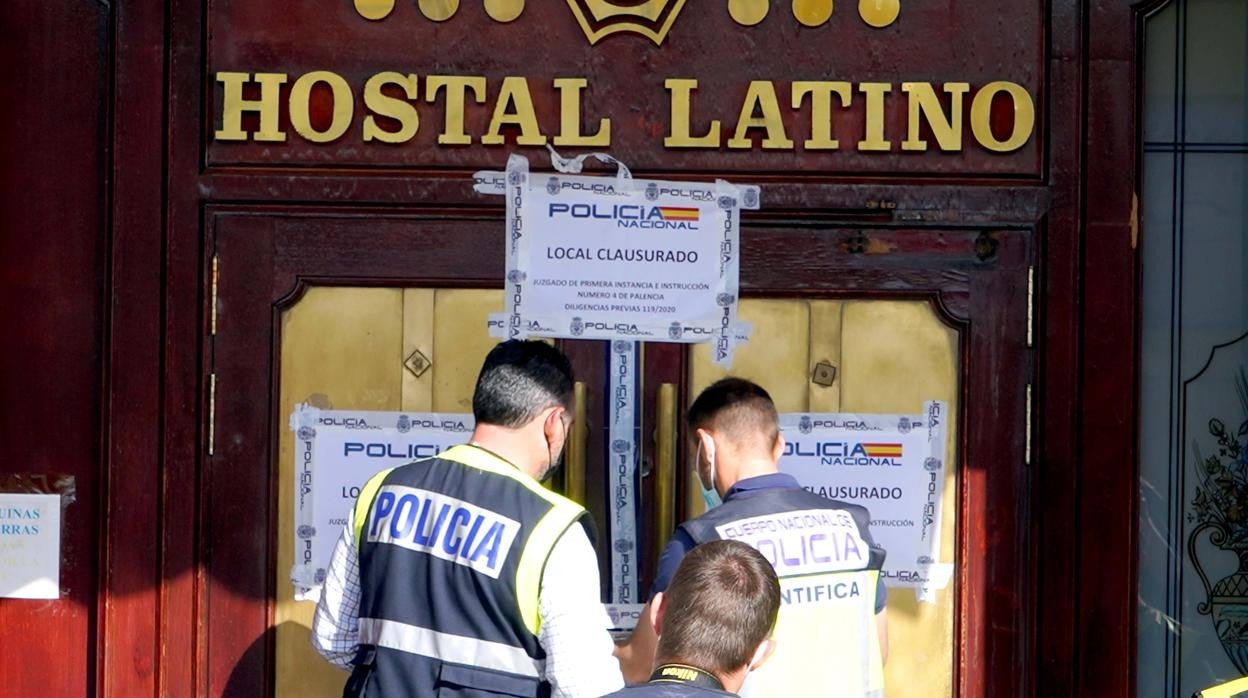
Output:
[[679, 213], [882, 450]]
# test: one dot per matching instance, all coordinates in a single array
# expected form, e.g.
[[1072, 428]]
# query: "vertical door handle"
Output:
[[665, 467], [578, 439]]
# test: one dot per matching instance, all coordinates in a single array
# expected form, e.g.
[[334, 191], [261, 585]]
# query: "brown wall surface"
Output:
[[54, 64]]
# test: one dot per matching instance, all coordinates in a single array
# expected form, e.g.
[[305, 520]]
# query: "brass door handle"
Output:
[[665, 466], [578, 439]]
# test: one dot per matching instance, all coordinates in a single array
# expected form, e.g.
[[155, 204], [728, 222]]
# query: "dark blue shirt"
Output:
[[681, 543]]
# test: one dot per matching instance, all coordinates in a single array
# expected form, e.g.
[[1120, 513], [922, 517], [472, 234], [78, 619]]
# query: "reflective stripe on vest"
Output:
[[446, 647], [364, 502]]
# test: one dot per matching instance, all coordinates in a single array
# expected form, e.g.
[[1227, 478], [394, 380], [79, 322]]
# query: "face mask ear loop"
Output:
[[710, 495], [551, 455], [697, 463], [710, 456]]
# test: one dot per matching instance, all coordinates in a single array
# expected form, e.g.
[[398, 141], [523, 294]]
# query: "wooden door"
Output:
[[327, 307], [322, 309]]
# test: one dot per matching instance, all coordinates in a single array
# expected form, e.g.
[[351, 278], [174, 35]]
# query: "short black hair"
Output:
[[518, 380], [738, 408], [721, 604]]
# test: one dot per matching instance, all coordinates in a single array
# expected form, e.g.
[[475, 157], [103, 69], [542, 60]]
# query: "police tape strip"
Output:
[[730, 198], [516, 281], [496, 327], [937, 574], [495, 183], [623, 432], [304, 573]]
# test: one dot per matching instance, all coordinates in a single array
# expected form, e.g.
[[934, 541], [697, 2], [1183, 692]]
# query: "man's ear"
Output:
[[707, 441], [761, 654], [779, 448], [551, 423], [658, 605]]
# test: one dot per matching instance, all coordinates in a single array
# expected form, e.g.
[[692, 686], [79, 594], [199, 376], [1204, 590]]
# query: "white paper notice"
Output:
[[616, 258], [891, 464], [30, 546], [336, 452]]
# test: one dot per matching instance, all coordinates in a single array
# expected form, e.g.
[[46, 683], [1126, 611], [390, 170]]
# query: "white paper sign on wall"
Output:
[[30, 546], [336, 451]]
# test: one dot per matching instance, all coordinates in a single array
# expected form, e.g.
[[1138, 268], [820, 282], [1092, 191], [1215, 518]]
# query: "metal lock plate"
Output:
[[824, 374], [417, 363]]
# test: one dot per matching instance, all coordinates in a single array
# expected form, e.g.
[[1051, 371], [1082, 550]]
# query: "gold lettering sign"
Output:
[[381, 104], [234, 106], [758, 123]]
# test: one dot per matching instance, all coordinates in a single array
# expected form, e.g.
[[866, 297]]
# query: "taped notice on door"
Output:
[[892, 464], [336, 452], [620, 258]]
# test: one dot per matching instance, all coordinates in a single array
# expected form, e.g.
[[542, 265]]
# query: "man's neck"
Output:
[[730, 681], [507, 444], [753, 467]]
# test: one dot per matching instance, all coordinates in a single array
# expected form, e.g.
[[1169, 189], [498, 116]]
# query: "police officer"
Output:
[[460, 575], [832, 632], [713, 623]]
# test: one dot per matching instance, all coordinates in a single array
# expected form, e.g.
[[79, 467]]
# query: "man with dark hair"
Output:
[[460, 575], [832, 627], [713, 623]]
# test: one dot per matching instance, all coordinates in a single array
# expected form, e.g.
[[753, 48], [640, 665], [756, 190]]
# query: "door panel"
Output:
[[460, 343], [340, 349], [890, 356], [345, 348], [826, 321], [417, 324], [776, 355], [896, 354]]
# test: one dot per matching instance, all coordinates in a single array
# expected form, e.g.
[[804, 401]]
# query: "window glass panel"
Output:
[[1193, 576], [1217, 66], [1160, 88], [1155, 448]]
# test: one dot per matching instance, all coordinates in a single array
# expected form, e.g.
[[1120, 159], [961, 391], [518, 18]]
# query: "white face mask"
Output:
[[709, 494]]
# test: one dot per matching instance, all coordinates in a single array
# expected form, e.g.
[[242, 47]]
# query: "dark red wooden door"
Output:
[[976, 280]]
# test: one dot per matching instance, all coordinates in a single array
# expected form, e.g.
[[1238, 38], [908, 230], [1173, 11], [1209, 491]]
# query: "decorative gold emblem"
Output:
[[650, 18]]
